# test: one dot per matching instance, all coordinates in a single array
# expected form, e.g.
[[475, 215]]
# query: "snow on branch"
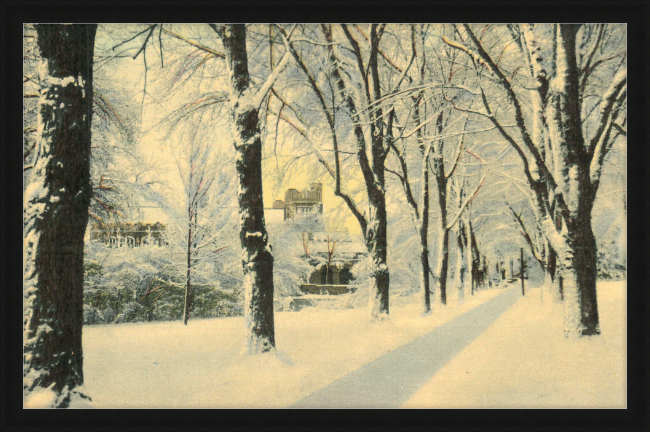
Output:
[[465, 204], [609, 109], [261, 93]]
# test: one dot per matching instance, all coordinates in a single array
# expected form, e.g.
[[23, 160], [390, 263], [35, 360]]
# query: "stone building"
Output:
[[300, 203], [129, 234]]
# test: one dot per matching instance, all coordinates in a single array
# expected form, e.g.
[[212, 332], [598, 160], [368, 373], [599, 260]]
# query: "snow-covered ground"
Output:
[[165, 364], [522, 361]]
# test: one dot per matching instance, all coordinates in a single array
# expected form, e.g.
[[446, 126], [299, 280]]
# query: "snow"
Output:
[[166, 364], [40, 398], [63, 82], [522, 361]]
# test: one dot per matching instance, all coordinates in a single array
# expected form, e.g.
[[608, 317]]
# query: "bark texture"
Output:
[[577, 246], [424, 235], [462, 261], [188, 283], [442, 270], [56, 212], [475, 258], [438, 165], [257, 259]]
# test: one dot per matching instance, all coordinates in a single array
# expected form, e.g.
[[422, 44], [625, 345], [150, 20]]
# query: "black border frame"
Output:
[[635, 13]]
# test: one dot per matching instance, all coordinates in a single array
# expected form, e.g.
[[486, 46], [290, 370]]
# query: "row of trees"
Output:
[[476, 107]]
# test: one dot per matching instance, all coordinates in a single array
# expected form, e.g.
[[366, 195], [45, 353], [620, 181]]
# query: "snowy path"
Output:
[[391, 380]]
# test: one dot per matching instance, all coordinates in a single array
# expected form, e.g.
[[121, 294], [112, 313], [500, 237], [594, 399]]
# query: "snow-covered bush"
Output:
[[144, 284], [611, 265], [612, 261], [92, 315], [290, 243]]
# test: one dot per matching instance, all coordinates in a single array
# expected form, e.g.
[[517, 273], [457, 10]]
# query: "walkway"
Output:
[[392, 379]]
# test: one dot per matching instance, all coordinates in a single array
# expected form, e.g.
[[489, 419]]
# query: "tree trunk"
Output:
[[460, 276], [424, 235], [576, 246], [188, 284], [578, 272], [443, 248], [56, 212], [461, 263], [376, 242], [553, 275], [474, 256], [471, 270], [443, 264], [257, 259], [375, 227], [522, 270]]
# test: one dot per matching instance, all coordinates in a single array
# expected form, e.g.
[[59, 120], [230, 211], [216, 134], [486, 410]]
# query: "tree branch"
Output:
[[529, 240], [519, 117], [330, 120], [609, 109], [406, 184], [465, 204], [359, 58], [460, 152], [196, 44]]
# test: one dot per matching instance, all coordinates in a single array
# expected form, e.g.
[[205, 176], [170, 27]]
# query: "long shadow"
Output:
[[391, 380]]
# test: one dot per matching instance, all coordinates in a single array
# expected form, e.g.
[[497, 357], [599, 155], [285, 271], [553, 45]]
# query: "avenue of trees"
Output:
[[489, 138]]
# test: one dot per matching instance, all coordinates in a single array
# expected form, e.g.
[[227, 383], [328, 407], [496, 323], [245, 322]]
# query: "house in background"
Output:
[[300, 203]]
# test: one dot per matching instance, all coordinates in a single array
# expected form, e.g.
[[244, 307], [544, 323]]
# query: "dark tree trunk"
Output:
[[475, 257], [375, 227], [422, 220], [522, 269], [188, 284], [553, 275], [577, 249], [56, 212], [578, 272], [443, 264], [424, 237], [376, 242], [257, 259], [443, 248]]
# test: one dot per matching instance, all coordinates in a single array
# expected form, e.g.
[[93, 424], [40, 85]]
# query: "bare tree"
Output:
[[359, 90], [419, 208], [257, 259], [564, 150], [56, 213], [197, 177]]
